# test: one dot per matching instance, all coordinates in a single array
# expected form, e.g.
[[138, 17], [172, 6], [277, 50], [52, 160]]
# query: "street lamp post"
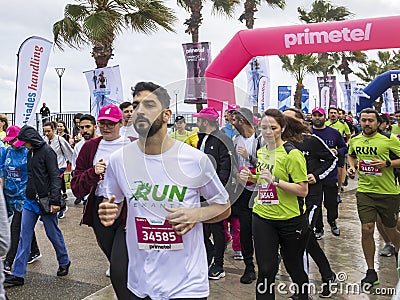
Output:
[[60, 72], [176, 92]]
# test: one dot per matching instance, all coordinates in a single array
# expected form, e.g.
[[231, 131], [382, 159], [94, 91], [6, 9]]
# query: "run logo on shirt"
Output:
[[145, 191]]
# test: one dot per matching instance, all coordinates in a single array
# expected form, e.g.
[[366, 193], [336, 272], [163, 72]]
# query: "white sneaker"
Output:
[[108, 272]]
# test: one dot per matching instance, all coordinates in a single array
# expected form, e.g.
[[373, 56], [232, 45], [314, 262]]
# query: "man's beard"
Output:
[[318, 125], [87, 136], [152, 129]]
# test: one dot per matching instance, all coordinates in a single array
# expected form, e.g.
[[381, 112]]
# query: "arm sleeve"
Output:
[[84, 176], [296, 166], [111, 183], [54, 177], [225, 160], [341, 145], [329, 160], [213, 190], [4, 225], [67, 149]]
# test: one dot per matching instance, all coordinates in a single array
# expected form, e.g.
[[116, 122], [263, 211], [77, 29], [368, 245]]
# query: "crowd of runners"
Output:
[[165, 207]]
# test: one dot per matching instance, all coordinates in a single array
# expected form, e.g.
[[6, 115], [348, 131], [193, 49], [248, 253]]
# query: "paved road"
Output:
[[87, 278]]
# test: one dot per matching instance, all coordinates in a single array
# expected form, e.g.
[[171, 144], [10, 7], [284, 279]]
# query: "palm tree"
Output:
[[98, 22], [372, 68], [324, 11], [299, 65], [250, 8], [193, 23]]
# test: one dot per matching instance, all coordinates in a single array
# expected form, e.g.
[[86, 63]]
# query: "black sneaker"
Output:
[[63, 270], [319, 234], [77, 201], [64, 196], [12, 280], [326, 287], [248, 276], [7, 267], [34, 257], [370, 279], [216, 272], [335, 230]]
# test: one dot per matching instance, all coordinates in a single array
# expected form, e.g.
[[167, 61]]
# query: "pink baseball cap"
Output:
[[319, 110], [233, 107], [11, 134], [110, 112], [208, 113]]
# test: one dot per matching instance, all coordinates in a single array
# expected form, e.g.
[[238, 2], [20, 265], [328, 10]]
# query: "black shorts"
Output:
[[341, 160]]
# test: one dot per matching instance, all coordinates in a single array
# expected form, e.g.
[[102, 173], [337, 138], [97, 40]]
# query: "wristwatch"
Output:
[[275, 182], [388, 163]]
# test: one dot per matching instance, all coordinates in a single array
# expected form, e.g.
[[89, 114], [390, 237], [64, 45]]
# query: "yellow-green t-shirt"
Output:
[[396, 129], [343, 128], [367, 148], [290, 167], [180, 137], [193, 138]]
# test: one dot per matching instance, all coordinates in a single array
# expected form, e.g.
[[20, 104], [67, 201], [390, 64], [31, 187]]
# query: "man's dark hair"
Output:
[[77, 116], [371, 111], [51, 124], [335, 108], [124, 105], [397, 112], [88, 118], [157, 90]]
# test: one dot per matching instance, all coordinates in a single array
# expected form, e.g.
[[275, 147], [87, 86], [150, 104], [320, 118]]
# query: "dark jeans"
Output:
[[329, 189], [113, 244], [291, 235], [217, 248], [15, 229], [244, 213], [313, 203]]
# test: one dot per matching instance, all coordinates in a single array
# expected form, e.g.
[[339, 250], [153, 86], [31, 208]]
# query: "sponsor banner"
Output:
[[305, 101], [257, 68], [263, 94], [347, 89], [284, 97], [105, 87], [358, 91], [197, 57], [388, 102], [327, 91], [33, 57]]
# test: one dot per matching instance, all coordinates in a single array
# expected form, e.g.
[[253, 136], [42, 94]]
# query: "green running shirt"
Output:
[[377, 146], [290, 167]]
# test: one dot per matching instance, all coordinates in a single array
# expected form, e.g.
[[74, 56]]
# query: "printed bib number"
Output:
[[267, 194], [13, 173], [157, 235], [367, 169]]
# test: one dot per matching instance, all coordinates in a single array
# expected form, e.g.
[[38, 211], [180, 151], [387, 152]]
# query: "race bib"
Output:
[[267, 194], [13, 173], [157, 235], [367, 169]]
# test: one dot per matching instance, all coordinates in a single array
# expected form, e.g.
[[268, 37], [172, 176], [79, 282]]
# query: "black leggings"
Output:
[[330, 202], [112, 242], [291, 235]]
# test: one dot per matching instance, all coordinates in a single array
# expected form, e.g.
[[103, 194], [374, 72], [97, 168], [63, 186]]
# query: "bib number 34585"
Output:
[[157, 235]]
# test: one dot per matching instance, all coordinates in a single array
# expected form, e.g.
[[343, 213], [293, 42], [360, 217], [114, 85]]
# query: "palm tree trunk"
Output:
[[102, 53], [298, 94], [249, 9]]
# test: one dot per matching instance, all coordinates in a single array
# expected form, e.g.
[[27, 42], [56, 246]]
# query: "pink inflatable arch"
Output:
[[378, 33]]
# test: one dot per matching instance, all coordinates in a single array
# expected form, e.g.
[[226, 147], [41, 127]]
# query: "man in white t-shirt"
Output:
[[127, 130], [88, 179], [162, 181]]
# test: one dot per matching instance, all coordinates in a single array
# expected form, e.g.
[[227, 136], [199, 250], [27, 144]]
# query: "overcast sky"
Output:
[[158, 57]]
